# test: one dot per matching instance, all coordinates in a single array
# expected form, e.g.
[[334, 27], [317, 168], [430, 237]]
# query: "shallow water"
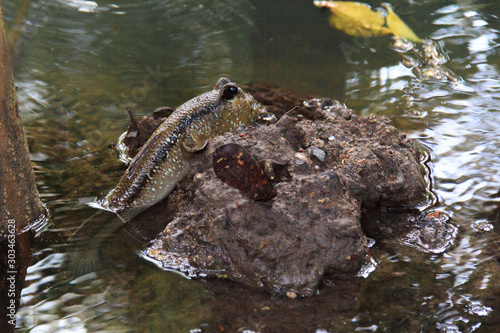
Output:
[[81, 62]]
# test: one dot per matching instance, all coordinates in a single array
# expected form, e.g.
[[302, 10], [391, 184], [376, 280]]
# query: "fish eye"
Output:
[[229, 91]]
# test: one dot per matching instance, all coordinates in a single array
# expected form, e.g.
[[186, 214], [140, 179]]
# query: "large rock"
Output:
[[338, 163]]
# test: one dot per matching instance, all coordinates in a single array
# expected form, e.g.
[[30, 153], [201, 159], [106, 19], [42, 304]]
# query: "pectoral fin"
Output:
[[192, 144]]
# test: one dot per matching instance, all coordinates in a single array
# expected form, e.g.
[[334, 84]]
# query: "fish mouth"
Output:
[[262, 110], [259, 108]]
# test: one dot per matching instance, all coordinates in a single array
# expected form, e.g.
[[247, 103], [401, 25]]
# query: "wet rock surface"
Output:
[[338, 164], [430, 232]]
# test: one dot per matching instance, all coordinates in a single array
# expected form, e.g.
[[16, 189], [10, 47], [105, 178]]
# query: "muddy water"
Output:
[[81, 62]]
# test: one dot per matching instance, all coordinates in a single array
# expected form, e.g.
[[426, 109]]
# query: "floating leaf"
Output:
[[358, 19], [355, 18], [398, 27]]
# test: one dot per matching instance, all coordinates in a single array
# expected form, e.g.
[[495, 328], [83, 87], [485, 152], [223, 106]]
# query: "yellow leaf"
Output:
[[357, 19], [354, 18], [398, 27]]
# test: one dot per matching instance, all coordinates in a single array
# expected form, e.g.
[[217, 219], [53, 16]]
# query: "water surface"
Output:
[[81, 62]]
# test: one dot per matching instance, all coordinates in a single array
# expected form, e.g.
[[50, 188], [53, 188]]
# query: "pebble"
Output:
[[318, 153]]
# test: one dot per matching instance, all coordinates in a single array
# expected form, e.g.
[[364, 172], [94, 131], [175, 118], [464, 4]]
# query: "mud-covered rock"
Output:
[[338, 164], [380, 166], [280, 101]]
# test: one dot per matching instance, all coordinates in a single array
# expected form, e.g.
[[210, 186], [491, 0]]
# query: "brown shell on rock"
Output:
[[237, 168]]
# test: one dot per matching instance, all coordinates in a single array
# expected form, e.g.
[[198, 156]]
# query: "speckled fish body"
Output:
[[164, 158]]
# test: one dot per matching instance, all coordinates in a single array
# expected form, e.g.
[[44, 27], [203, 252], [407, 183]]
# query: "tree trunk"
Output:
[[20, 205], [19, 200]]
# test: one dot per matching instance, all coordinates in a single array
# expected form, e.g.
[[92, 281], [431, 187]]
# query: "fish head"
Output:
[[237, 107]]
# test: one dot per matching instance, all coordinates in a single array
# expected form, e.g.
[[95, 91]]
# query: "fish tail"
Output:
[[86, 242]]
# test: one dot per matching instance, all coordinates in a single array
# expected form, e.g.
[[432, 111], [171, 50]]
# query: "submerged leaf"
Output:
[[398, 27], [358, 19]]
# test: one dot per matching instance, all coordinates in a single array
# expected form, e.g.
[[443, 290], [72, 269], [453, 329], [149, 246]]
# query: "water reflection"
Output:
[[155, 50], [459, 122], [81, 62]]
